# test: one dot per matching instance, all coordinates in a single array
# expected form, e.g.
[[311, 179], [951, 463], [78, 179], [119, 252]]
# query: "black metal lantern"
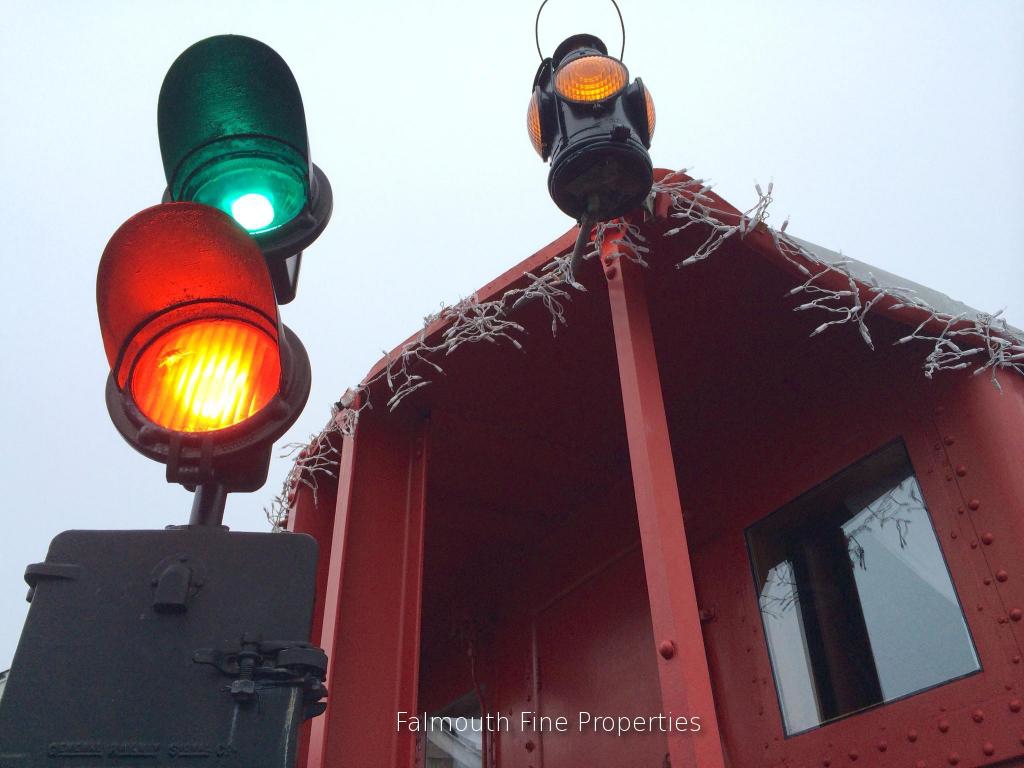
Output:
[[595, 127]]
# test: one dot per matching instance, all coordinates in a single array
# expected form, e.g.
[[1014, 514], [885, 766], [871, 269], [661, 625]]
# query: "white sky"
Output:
[[892, 131]]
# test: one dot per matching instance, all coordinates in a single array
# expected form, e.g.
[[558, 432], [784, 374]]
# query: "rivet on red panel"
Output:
[[949, 440], [943, 726], [989, 748], [882, 746], [1002, 575], [854, 754], [667, 649], [987, 581], [953, 759], [953, 534], [987, 538], [961, 470], [974, 504], [1016, 614], [977, 715], [911, 735], [1015, 705]]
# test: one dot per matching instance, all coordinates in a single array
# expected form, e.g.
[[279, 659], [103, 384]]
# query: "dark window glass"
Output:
[[857, 602]]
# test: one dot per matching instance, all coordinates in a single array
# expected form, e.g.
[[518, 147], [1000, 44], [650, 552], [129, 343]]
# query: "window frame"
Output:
[[900, 440]]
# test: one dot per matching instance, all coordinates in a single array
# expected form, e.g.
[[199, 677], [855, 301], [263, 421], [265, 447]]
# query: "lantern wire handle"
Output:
[[536, 29]]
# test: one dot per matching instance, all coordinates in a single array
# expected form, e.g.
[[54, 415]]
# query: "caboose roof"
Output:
[[897, 298]]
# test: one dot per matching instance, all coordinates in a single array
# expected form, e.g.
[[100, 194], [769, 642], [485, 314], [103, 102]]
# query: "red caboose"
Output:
[[686, 523]]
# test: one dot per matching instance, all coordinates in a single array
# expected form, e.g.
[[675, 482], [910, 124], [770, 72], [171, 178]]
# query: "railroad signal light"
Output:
[[595, 127], [233, 136], [204, 377]]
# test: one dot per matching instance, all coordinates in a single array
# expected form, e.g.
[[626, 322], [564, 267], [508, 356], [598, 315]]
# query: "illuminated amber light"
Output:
[[649, 103], [591, 78], [533, 124], [206, 375]]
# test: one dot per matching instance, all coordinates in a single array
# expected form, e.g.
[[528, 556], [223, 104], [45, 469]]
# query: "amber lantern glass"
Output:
[[591, 78], [533, 124], [649, 106]]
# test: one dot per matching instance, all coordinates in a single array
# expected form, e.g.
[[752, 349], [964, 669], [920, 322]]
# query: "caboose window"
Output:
[[454, 738], [856, 599]]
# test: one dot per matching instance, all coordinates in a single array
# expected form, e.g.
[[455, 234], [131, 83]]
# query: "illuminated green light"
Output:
[[253, 211], [231, 126], [231, 183]]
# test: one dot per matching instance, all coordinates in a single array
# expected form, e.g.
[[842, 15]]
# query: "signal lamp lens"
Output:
[[253, 211], [533, 124], [649, 104], [231, 124], [206, 375], [259, 193], [591, 78]]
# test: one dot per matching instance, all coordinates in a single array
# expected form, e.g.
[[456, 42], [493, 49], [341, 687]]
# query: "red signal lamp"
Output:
[[203, 376]]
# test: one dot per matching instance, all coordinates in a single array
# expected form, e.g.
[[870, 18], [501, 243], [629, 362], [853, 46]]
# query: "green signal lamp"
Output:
[[233, 136]]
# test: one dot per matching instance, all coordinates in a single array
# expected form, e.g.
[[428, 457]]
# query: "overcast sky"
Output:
[[892, 130]]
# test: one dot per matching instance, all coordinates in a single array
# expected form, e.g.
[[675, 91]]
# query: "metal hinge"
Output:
[[262, 664]]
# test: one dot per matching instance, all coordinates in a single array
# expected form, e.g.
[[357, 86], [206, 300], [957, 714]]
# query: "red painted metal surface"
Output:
[[682, 666], [548, 480], [372, 610], [936, 726], [594, 649], [313, 514], [329, 622]]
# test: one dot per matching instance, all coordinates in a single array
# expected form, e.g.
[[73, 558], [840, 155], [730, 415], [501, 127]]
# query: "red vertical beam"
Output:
[[371, 624], [682, 663], [313, 513], [410, 598], [332, 596]]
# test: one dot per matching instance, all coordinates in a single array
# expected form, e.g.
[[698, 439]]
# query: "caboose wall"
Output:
[[746, 445], [567, 630], [504, 565]]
